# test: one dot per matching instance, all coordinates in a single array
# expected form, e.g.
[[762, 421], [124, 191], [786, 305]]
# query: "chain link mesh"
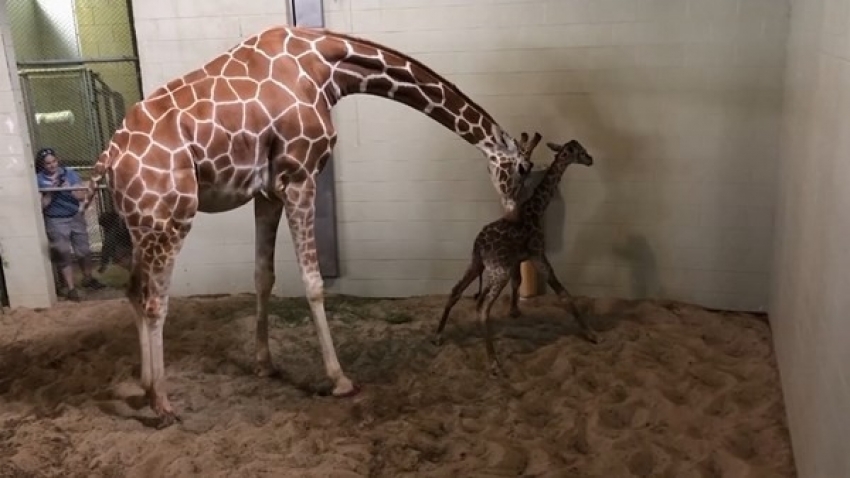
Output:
[[78, 71]]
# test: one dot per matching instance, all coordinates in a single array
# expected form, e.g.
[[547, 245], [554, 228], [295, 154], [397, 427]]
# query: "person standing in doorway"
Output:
[[65, 225]]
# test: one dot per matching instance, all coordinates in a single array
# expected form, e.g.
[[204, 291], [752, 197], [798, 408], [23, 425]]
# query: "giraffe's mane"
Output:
[[413, 61]]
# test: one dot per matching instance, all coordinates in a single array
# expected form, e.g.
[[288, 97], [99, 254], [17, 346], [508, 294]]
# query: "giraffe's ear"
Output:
[[554, 146]]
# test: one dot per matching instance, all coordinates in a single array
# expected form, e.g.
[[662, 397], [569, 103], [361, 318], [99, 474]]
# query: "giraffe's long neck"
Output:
[[543, 193], [361, 67]]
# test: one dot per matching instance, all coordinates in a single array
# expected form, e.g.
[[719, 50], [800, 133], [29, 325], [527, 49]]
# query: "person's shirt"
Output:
[[64, 204]]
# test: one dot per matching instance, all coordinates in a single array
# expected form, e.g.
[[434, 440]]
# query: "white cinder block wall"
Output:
[[23, 245], [809, 304], [678, 100]]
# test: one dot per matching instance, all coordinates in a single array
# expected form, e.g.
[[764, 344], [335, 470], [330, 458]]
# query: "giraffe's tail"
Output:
[[104, 162]]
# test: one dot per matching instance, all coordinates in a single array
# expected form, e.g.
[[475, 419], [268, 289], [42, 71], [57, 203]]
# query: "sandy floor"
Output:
[[672, 391]]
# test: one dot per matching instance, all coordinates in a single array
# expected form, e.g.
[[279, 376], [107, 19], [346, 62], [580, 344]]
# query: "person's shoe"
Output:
[[92, 283], [74, 295]]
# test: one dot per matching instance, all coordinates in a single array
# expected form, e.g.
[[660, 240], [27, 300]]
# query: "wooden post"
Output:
[[528, 286]]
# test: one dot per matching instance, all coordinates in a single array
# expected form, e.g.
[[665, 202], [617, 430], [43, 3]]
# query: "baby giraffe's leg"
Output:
[[477, 295], [546, 268], [496, 280], [474, 270], [516, 279]]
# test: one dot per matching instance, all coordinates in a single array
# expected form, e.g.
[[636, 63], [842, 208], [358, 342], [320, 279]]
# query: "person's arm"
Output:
[[46, 198], [73, 179]]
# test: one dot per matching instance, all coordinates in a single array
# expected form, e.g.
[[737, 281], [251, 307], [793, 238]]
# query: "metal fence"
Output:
[[78, 67], [72, 110]]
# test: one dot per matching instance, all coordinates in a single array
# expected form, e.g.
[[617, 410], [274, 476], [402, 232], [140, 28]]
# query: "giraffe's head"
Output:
[[571, 152], [509, 164]]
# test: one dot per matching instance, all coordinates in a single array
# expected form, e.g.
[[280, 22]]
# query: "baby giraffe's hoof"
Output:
[[591, 336], [515, 313], [167, 419], [437, 340], [265, 370], [496, 369]]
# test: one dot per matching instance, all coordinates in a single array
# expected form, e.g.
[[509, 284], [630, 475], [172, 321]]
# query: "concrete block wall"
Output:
[[809, 300], [678, 100], [23, 245]]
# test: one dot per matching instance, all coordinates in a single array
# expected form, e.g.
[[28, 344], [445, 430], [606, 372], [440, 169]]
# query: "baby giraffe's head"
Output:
[[571, 152]]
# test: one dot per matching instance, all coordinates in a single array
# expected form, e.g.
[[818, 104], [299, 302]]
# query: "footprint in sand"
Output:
[[721, 464], [709, 377], [505, 458], [620, 417], [721, 406], [741, 445], [748, 397], [674, 395], [541, 363], [642, 463], [617, 394]]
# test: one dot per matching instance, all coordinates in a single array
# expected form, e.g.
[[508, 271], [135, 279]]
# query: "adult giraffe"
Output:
[[255, 123]]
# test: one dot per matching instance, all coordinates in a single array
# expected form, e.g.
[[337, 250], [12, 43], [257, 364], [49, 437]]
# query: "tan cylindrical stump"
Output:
[[528, 286]]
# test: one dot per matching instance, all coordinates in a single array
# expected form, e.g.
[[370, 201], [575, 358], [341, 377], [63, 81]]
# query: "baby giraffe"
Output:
[[502, 245]]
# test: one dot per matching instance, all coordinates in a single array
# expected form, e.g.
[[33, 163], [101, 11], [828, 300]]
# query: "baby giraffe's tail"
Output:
[[104, 162]]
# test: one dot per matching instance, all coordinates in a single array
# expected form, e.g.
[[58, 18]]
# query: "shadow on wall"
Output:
[[588, 105], [572, 109], [607, 143]]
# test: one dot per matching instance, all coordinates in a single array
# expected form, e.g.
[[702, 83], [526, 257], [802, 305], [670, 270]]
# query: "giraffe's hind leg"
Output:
[[267, 214], [516, 279], [150, 279], [476, 267]]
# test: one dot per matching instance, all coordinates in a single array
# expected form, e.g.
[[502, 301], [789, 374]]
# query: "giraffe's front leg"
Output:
[[267, 214], [472, 271], [301, 214], [148, 292]]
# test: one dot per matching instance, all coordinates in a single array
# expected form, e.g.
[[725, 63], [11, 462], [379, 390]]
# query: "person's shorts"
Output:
[[68, 237]]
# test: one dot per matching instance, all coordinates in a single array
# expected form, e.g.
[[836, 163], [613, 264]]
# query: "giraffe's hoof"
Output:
[[345, 388], [437, 340], [265, 370], [515, 314], [591, 337]]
